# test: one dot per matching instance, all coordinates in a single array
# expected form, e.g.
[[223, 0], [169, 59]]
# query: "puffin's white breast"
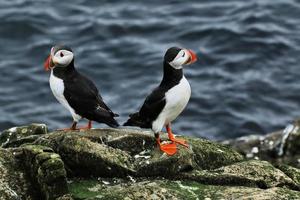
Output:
[[57, 86], [176, 100]]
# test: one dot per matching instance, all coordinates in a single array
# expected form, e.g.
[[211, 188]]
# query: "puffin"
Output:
[[168, 100], [74, 91]]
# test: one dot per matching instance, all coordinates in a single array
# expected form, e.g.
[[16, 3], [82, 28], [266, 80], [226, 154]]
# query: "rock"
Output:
[[20, 141], [165, 166], [292, 172], [168, 189], [218, 155], [24, 134], [14, 183], [31, 172], [108, 153], [258, 146], [46, 169], [251, 173], [126, 164], [131, 141], [280, 147], [87, 158], [65, 197]]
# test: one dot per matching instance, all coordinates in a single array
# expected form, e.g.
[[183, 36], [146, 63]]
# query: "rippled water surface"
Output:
[[247, 78]]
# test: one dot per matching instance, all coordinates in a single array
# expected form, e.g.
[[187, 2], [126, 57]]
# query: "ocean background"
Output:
[[247, 79]]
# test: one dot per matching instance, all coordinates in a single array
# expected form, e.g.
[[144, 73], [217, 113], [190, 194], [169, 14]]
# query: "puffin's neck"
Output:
[[62, 72], [171, 76]]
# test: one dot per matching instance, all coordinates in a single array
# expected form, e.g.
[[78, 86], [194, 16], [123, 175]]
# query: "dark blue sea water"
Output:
[[247, 78]]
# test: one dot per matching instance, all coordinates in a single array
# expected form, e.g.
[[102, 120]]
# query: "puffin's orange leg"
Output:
[[89, 126], [169, 149], [72, 128], [173, 139]]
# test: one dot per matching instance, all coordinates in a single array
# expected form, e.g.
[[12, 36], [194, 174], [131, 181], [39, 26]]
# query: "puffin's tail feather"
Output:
[[135, 120], [107, 118], [113, 123]]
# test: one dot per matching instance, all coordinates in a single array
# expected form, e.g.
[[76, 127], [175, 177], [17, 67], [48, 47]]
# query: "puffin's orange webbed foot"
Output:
[[173, 139], [169, 149], [180, 141]]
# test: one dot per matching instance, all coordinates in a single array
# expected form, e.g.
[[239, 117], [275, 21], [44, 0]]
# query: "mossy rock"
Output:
[[84, 157], [252, 173], [128, 165], [46, 169], [292, 172], [211, 155], [16, 136], [14, 183], [167, 189], [122, 152], [130, 140], [158, 164]]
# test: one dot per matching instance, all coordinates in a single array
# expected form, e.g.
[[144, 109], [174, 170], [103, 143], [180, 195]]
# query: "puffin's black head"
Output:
[[177, 57], [60, 56]]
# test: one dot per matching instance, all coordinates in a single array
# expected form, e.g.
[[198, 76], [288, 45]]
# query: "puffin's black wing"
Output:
[[96, 93], [153, 105], [83, 96]]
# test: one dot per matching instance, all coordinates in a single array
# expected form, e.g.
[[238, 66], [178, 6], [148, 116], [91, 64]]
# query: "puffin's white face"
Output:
[[183, 57], [62, 58]]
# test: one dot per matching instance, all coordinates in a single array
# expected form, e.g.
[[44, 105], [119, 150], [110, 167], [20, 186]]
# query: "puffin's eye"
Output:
[[183, 54], [61, 54]]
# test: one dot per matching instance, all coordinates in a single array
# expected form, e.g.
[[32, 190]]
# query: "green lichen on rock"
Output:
[[129, 165], [19, 135], [113, 155], [129, 140], [6, 189], [87, 158], [156, 164], [168, 189], [250, 173], [292, 172], [14, 183], [143, 189], [211, 155], [47, 169]]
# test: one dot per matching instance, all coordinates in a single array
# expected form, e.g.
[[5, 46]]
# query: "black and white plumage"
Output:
[[170, 98], [164, 103], [74, 91]]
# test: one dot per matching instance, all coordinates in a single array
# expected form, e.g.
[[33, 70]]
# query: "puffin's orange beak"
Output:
[[193, 57], [48, 63]]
